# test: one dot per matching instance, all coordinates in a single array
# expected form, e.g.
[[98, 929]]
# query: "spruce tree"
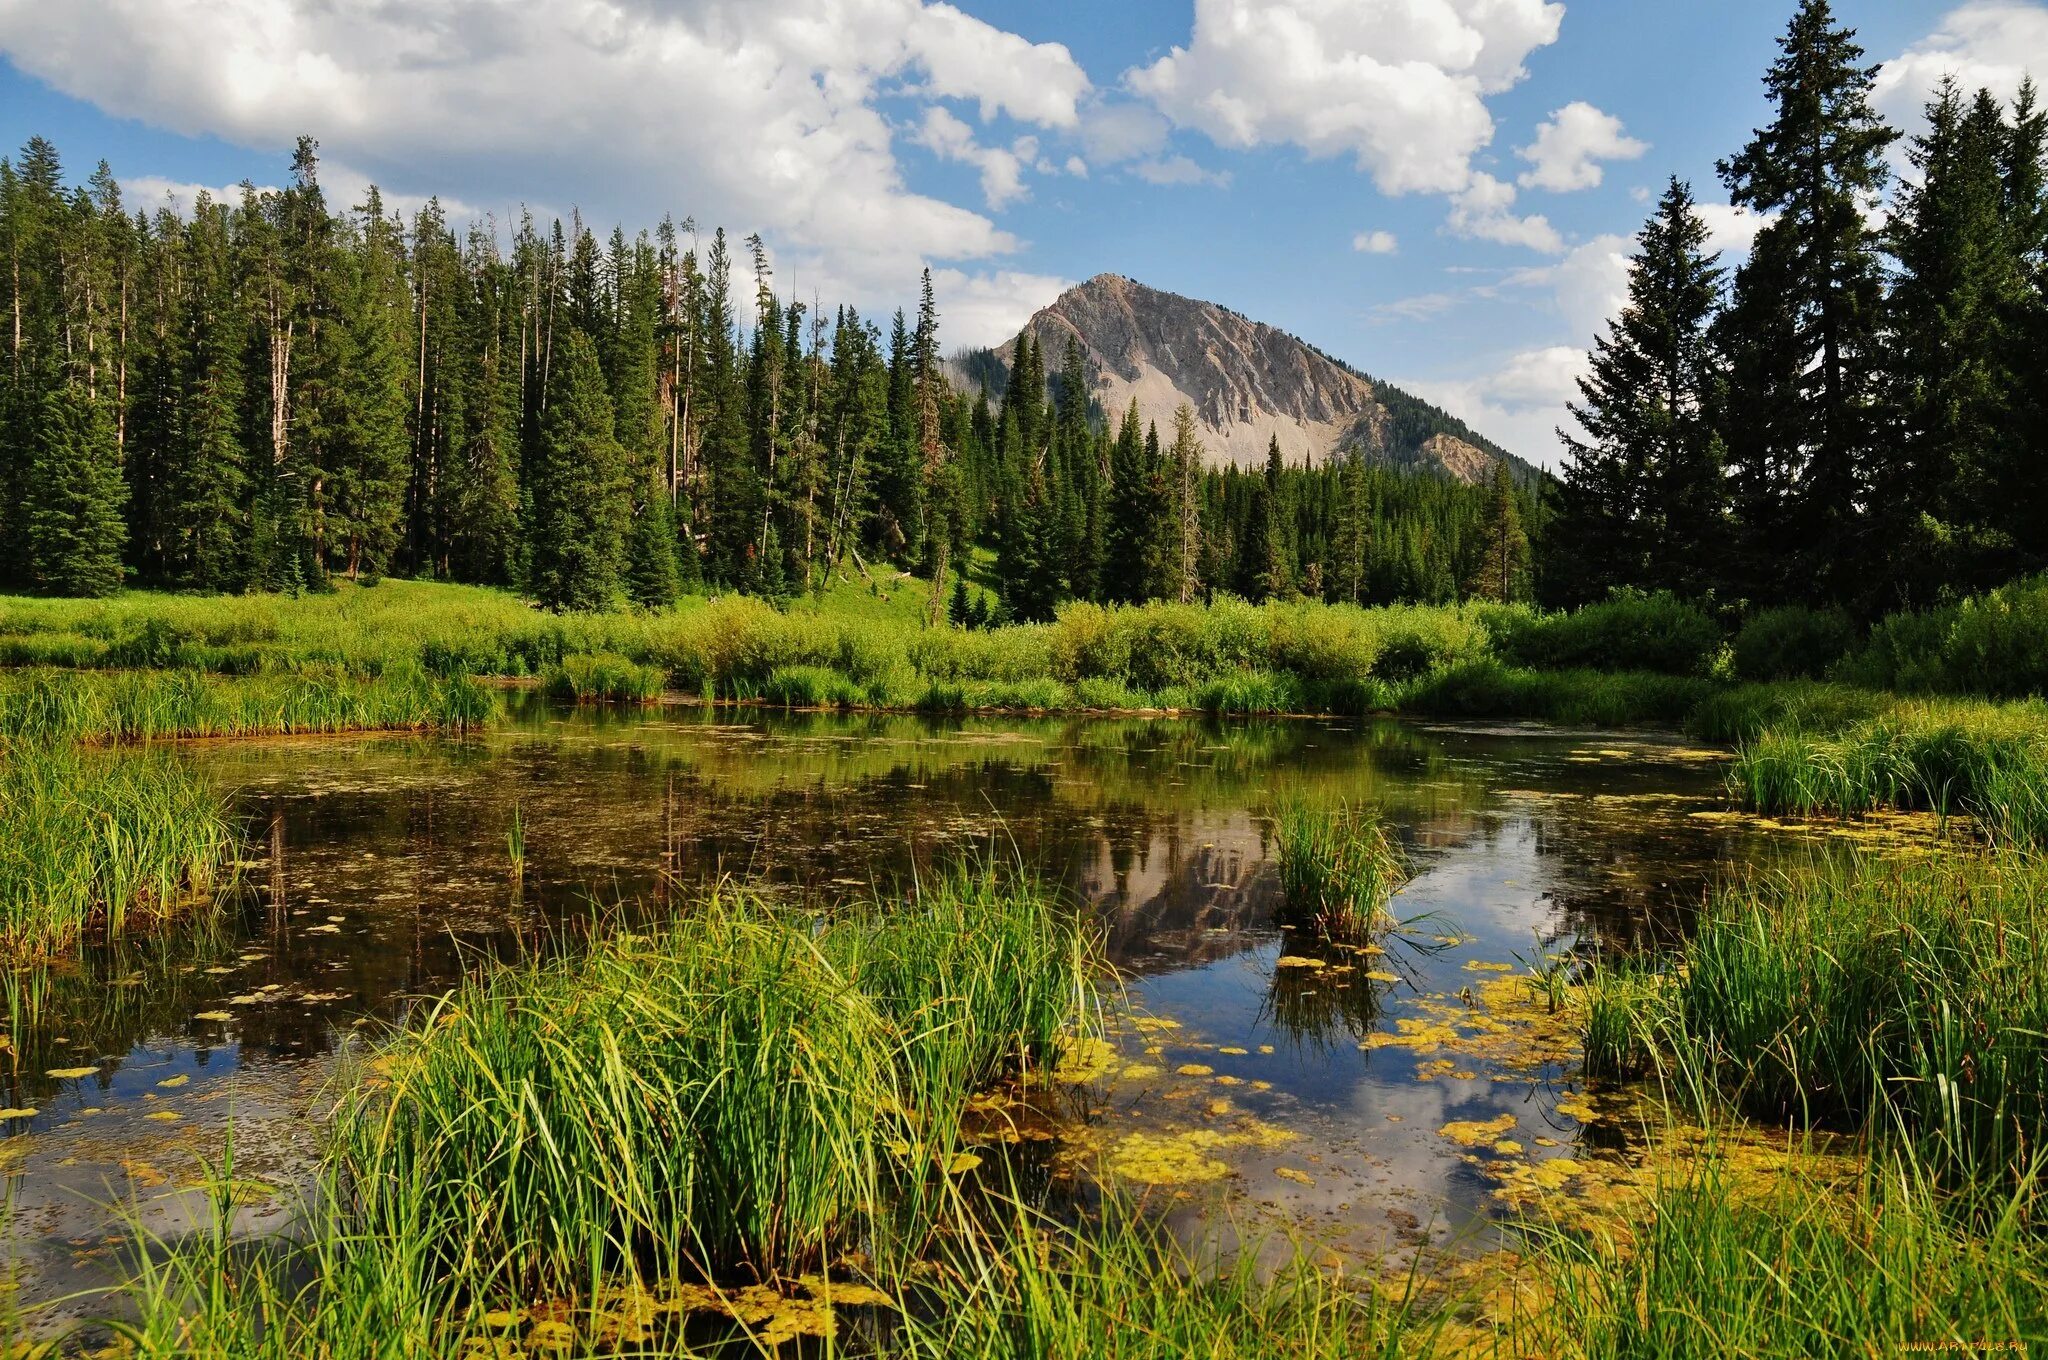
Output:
[[1352, 559], [1134, 517], [1804, 332], [367, 453], [1641, 503], [1935, 492], [1184, 520], [1501, 570], [76, 496], [580, 509]]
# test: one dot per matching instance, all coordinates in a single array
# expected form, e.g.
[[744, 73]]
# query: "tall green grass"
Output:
[[1885, 997], [1579, 698], [603, 677], [98, 840], [130, 706], [1789, 1270], [1127, 1289], [1987, 761], [741, 1088], [1338, 867]]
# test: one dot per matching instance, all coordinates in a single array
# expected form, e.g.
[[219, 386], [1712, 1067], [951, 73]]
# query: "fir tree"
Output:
[[575, 544], [1352, 561], [1134, 515], [75, 497], [367, 455], [1501, 571], [1959, 288], [1641, 501], [1804, 329], [1184, 464]]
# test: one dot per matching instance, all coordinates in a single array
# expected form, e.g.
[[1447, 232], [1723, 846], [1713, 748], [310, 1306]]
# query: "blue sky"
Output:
[[1439, 191]]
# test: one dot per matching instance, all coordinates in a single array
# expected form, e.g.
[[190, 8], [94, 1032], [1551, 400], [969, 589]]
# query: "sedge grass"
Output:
[[1338, 867], [101, 841], [602, 677], [1882, 997], [739, 1090], [1791, 1270], [134, 706], [1987, 761]]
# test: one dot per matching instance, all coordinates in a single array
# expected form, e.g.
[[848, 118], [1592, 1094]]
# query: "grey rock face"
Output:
[[1247, 382]]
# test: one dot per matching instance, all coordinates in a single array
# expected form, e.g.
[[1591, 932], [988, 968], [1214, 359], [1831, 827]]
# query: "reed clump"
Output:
[[1986, 761], [140, 706], [1338, 867], [601, 677], [99, 840], [745, 1088], [1882, 997]]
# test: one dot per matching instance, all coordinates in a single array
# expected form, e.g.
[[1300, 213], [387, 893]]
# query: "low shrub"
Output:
[[1487, 689], [1994, 644], [1630, 632], [1791, 643]]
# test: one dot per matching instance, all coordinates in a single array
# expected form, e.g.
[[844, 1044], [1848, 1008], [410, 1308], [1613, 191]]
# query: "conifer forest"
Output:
[[567, 795]]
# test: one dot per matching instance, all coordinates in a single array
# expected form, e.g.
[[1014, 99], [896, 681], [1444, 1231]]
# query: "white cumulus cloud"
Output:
[[1002, 172], [1172, 170], [755, 113], [1520, 404], [1480, 212], [1569, 146], [1375, 243], [990, 308], [1398, 85], [1987, 44]]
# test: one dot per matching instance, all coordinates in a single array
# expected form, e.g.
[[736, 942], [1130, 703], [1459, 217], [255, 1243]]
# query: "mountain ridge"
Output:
[[1248, 382]]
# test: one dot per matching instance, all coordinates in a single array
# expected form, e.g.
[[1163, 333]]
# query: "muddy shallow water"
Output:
[[379, 870]]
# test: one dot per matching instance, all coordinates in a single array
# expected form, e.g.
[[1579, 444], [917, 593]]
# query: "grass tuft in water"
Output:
[[743, 1088], [101, 840], [602, 677], [1338, 867]]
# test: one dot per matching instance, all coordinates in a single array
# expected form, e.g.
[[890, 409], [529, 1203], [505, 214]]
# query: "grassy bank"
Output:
[[101, 841], [48, 704], [1986, 761], [1903, 998]]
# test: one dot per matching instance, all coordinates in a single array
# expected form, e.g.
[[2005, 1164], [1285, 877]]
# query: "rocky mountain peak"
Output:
[[1248, 383]]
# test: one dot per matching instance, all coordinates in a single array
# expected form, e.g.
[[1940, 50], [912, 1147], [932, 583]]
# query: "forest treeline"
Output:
[[272, 393], [1857, 415]]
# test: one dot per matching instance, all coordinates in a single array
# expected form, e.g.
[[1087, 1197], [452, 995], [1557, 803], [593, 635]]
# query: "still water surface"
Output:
[[379, 872]]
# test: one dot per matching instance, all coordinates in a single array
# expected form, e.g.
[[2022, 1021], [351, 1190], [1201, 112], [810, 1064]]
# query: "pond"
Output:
[[1298, 1086]]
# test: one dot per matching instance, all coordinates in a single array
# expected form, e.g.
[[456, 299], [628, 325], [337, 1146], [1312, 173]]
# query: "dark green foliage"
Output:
[[1995, 644], [1641, 501], [1501, 573], [71, 507], [1804, 330], [579, 515], [1792, 643], [1630, 631]]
